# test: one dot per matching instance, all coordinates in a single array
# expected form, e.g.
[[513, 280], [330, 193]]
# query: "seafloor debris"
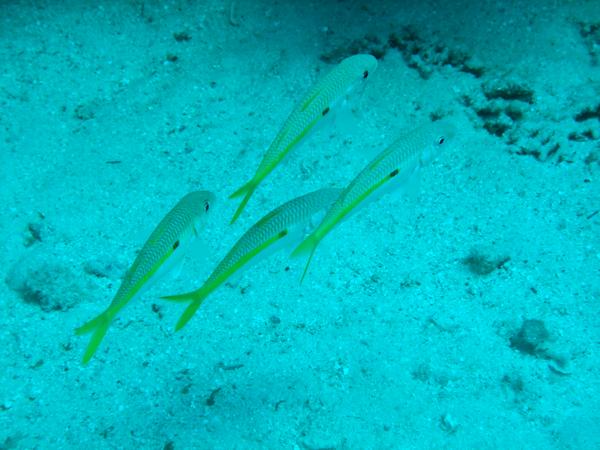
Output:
[[590, 32], [588, 132], [36, 231], [12, 442], [46, 279], [419, 53], [448, 424], [533, 338], [481, 264], [538, 141], [210, 401], [423, 55], [501, 108], [502, 105], [590, 112], [514, 382], [85, 111], [182, 36], [369, 44], [104, 268], [508, 90], [593, 157], [583, 136]]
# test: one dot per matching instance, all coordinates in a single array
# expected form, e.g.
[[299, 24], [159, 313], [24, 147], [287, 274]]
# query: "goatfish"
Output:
[[161, 252], [280, 223], [314, 107], [398, 162]]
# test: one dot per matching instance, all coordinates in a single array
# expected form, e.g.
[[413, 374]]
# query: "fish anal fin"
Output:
[[307, 247]]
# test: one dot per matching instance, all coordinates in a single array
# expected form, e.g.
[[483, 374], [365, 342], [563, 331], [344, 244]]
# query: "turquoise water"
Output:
[[458, 311]]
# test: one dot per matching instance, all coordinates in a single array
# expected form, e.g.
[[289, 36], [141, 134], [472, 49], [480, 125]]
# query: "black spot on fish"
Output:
[[394, 173], [325, 111], [365, 74], [175, 245]]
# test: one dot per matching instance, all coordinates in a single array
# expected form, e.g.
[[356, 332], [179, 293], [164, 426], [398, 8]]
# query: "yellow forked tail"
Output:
[[195, 298], [98, 327], [306, 247], [246, 190]]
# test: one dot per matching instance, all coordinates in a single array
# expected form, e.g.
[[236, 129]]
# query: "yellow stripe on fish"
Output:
[[400, 160], [268, 231], [164, 246], [315, 105]]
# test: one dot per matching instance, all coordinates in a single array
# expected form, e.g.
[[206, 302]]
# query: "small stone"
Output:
[[84, 112], [182, 36], [274, 320], [448, 424]]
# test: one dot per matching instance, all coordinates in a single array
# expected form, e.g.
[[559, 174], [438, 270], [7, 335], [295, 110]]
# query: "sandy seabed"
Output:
[[464, 315]]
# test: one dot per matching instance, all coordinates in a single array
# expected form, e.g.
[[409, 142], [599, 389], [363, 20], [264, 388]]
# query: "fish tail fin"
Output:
[[246, 190], [98, 327], [194, 299], [306, 247]]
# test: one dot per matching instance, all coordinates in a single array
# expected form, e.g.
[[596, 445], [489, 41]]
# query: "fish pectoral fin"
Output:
[[98, 327]]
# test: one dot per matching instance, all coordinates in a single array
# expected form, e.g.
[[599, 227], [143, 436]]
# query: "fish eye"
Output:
[[206, 206], [365, 74], [441, 140]]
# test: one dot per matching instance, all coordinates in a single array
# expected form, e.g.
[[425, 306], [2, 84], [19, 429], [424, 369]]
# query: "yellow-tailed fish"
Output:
[[165, 246], [267, 232], [400, 160], [316, 104]]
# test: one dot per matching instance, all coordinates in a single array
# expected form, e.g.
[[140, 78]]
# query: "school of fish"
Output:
[[288, 224]]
